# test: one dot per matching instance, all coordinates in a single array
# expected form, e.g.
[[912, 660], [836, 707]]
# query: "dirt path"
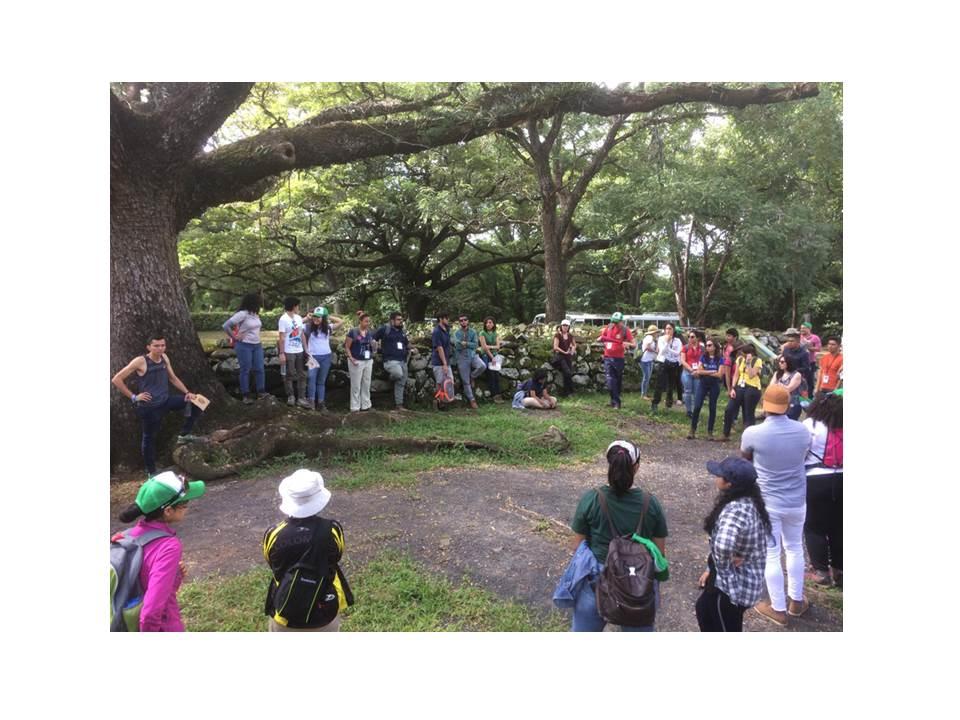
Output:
[[503, 527]]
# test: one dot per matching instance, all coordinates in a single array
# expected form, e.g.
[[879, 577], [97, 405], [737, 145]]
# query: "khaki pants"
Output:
[[333, 626], [361, 373]]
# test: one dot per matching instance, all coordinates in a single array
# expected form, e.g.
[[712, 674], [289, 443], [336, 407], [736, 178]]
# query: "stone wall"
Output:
[[524, 350]]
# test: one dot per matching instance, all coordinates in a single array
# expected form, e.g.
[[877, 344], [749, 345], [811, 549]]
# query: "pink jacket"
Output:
[[160, 577]]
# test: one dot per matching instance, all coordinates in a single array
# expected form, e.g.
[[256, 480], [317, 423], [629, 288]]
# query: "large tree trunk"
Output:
[[146, 297], [416, 307]]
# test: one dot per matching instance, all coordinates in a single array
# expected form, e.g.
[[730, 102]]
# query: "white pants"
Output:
[[787, 525], [360, 374]]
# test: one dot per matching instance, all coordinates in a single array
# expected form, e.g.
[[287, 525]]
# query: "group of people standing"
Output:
[[785, 486], [700, 369]]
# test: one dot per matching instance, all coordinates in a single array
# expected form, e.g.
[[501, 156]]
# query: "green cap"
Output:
[[167, 489], [321, 311], [807, 324], [616, 317], [838, 392]]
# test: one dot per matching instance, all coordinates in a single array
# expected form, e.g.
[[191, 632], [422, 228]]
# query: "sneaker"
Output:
[[181, 439], [497, 399], [710, 437], [321, 406], [261, 396], [725, 438], [796, 608], [765, 609], [473, 405], [690, 436], [291, 400], [247, 400], [653, 409], [304, 403]]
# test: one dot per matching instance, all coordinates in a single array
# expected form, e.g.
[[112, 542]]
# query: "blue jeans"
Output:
[[613, 367], [470, 368], [586, 618], [317, 378], [151, 418], [689, 383], [250, 356], [647, 369], [705, 387]]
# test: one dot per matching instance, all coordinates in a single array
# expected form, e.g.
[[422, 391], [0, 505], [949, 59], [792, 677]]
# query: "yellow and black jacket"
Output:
[[287, 542]]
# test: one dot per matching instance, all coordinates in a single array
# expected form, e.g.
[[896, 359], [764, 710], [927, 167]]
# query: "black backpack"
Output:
[[625, 590], [305, 596]]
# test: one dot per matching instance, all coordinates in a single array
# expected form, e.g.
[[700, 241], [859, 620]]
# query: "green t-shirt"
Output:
[[590, 521], [491, 338]]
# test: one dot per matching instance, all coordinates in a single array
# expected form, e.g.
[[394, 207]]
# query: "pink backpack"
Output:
[[833, 451]]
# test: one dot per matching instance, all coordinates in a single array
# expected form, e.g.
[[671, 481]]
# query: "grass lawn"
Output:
[[586, 419], [397, 595]]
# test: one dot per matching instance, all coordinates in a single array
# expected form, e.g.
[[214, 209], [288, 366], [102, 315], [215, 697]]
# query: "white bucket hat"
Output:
[[303, 494]]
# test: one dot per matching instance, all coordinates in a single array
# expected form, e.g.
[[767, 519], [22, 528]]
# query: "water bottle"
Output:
[[283, 369]]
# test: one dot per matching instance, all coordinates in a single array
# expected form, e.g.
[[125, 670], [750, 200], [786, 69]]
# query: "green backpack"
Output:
[[126, 595]]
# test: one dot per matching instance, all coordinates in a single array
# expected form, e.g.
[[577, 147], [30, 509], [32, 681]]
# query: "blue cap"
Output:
[[735, 470]]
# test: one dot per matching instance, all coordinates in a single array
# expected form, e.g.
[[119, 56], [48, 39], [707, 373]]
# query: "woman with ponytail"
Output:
[[625, 505], [162, 501], [739, 527]]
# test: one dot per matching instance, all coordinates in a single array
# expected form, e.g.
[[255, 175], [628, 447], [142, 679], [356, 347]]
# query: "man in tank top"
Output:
[[154, 401]]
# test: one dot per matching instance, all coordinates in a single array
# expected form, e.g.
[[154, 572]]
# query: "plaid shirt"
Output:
[[739, 532]]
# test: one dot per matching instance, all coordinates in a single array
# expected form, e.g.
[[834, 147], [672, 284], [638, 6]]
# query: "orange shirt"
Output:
[[830, 367]]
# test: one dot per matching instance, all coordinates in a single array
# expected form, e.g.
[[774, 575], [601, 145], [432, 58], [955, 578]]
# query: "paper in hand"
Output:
[[200, 401], [311, 362]]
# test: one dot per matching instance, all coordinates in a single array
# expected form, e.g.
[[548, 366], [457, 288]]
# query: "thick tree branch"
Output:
[[244, 162]]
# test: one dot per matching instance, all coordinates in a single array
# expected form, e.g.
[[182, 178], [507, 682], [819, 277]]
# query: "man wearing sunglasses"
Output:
[[469, 365], [396, 352]]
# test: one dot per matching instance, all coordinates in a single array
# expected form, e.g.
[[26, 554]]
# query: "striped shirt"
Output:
[[739, 532]]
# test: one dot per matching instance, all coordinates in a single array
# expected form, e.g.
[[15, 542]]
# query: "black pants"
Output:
[[668, 378], [715, 612], [823, 528], [746, 397], [566, 369]]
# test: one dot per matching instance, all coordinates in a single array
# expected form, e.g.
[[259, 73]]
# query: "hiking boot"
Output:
[[182, 439], [710, 437], [473, 405], [725, 438], [765, 609], [796, 608], [291, 400], [691, 437], [304, 403], [247, 400]]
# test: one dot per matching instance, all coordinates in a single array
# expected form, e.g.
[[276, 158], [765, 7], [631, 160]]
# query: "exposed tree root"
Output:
[[227, 452]]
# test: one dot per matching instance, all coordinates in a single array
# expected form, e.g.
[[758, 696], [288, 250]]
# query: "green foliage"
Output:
[[418, 232]]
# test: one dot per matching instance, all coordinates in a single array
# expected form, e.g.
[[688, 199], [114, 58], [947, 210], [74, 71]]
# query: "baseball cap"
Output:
[[737, 471], [167, 489], [776, 399], [616, 317], [321, 311], [565, 322]]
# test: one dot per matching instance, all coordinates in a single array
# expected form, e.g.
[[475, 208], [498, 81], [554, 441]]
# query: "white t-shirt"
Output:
[[818, 435], [293, 327], [649, 347], [671, 352]]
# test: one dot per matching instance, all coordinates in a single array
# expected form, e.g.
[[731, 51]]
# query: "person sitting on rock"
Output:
[[532, 393], [396, 352]]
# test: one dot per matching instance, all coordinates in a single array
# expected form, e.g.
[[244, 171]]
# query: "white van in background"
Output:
[[634, 322]]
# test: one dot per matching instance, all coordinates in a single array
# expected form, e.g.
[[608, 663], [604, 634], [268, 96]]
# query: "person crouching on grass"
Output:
[[532, 393], [739, 528]]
